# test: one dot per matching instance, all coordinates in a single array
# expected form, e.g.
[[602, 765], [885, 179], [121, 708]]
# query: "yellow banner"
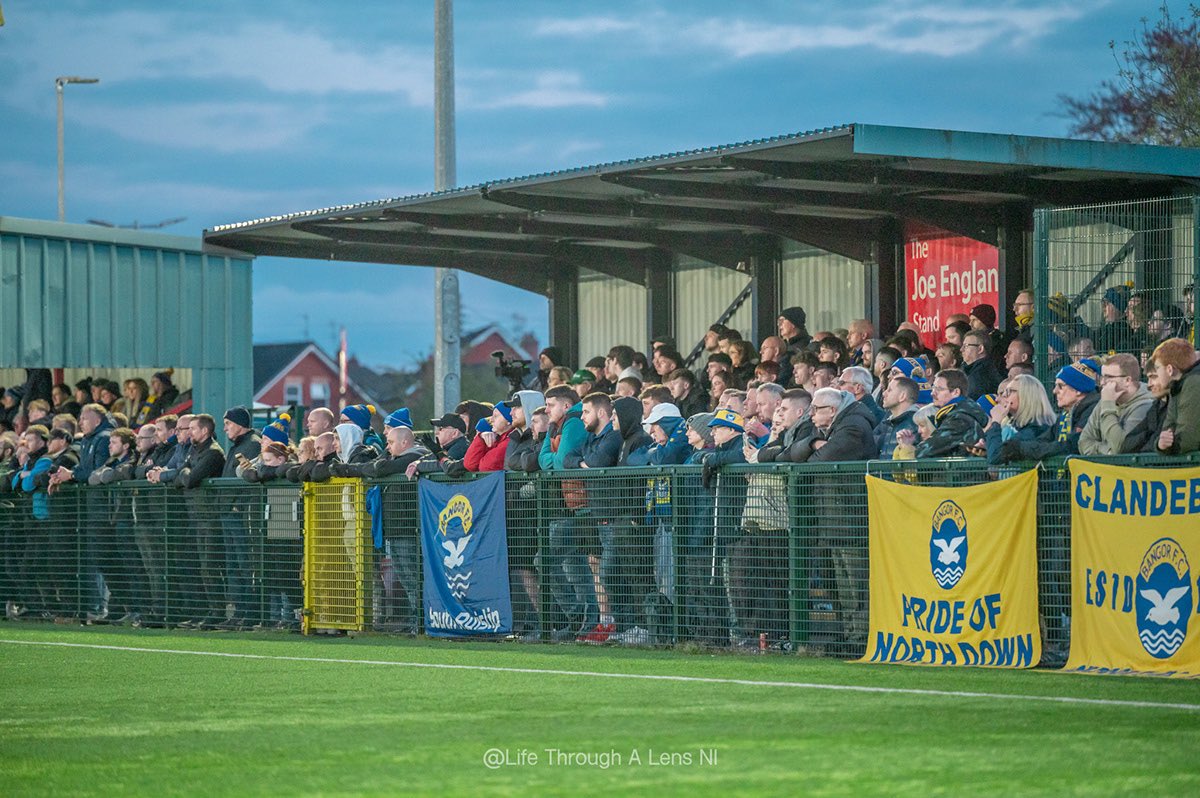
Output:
[[954, 574], [1134, 534]]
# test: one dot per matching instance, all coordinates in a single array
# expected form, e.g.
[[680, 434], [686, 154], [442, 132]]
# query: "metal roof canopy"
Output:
[[847, 190]]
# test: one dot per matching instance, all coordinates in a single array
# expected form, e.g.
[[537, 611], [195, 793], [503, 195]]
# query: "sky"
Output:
[[224, 111]]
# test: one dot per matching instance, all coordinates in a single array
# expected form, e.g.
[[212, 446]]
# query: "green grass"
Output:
[[83, 721]]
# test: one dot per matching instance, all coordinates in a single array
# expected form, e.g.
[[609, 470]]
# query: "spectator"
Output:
[[1019, 351], [110, 393], [824, 375], [487, 451], [403, 451], [742, 354], [163, 393], [1023, 413], [843, 429], [165, 442], [361, 415], [451, 435], [628, 386], [1144, 436], [559, 375], [10, 407], [548, 359], [599, 366], [244, 445], [719, 385], [583, 382], [983, 319], [653, 395], [564, 562], [949, 356], [1023, 314], [982, 375], [1080, 349], [665, 361], [619, 364], [790, 427], [772, 349], [857, 381], [1076, 396], [726, 339], [687, 396], [759, 420], [802, 367], [197, 554], [275, 454], [668, 431], [63, 402], [523, 447], [1186, 331], [869, 349], [1115, 335], [859, 332], [1177, 362], [833, 350], [325, 454], [766, 371], [955, 332], [38, 412], [900, 403], [471, 413], [319, 421], [1124, 403], [958, 422]]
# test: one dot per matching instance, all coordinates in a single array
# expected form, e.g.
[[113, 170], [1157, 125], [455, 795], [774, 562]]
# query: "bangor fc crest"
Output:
[[454, 523], [1164, 598], [948, 545]]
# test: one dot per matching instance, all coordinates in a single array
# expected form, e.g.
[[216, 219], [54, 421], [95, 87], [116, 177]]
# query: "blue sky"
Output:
[[226, 111]]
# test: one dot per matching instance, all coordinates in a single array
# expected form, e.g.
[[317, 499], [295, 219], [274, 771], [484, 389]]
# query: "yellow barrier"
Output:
[[337, 556]]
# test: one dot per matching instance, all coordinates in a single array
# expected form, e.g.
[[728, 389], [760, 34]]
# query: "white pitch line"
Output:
[[854, 688]]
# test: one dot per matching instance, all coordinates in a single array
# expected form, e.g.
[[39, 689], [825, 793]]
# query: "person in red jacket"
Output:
[[486, 452]]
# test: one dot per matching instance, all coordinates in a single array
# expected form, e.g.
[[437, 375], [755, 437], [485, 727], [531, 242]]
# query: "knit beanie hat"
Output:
[[359, 414], [238, 415], [795, 315], [986, 314], [278, 430], [399, 418], [1081, 376], [699, 424], [987, 402], [1118, 296], [504, 409]]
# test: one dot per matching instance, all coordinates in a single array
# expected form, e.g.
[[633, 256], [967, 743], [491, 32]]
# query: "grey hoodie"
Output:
[[1110, 422]]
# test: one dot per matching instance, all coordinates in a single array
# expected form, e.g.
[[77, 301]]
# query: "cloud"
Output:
[[550, 89], [217, 126], [910, 28]]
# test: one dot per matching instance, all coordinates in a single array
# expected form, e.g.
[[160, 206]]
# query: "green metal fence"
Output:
[[1142, 255], [755, 558]]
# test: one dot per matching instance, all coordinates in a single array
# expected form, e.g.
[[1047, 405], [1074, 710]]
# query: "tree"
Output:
[[1155, 97]]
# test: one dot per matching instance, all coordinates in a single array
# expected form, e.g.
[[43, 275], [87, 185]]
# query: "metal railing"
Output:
[[751, 557]]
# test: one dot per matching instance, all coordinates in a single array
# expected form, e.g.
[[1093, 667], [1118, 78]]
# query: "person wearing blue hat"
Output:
[[398, 418], [1076, 394], [361, 416], [487, 450]]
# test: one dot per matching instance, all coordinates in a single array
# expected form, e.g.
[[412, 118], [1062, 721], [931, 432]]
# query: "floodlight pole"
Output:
[[447, 382], [58, 91]]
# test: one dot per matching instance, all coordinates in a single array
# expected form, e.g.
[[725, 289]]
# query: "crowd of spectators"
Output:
[[832, 396]]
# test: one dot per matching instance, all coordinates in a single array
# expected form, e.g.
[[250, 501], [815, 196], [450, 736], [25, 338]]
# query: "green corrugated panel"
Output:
[[78, 296]]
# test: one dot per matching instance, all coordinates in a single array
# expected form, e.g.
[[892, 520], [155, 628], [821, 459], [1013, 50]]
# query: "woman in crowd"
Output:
[[1022, 412]]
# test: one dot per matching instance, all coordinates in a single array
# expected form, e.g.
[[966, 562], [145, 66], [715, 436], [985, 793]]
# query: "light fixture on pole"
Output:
[[58, 90]]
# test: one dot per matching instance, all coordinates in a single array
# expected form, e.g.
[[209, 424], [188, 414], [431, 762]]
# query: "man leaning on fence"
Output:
[[194, 530]]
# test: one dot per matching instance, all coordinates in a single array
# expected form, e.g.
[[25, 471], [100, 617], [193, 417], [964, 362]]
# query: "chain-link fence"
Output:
[[753, 558], [1117, 277]]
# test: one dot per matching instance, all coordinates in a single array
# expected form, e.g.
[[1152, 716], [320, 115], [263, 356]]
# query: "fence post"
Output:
[[1041, 291]]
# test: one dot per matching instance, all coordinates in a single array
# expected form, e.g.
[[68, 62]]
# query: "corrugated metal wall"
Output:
[[702, 293], [74, 296], [611, 312], [831, 288]]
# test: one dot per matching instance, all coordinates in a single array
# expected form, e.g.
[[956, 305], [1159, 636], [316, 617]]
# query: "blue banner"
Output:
[[465, 545]]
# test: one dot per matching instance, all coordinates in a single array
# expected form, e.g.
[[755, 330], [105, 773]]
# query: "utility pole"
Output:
[[447, 365], [58, 91]]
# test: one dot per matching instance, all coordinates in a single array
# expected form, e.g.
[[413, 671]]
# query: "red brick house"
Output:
[[300, 373]]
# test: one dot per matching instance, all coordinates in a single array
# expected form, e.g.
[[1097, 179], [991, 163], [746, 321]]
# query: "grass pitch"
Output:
[[289, 716]]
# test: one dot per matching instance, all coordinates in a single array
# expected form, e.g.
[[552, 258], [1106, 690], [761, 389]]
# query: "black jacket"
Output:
[[249, 445], [522, 452], [381, 466], [204, 461], [1144, 436], [791, 446], [982, 377], [851, 436], [885, 431], [635, 441], [958, 426]]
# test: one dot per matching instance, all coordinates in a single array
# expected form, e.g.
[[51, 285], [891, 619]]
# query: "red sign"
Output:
[[947, 274]]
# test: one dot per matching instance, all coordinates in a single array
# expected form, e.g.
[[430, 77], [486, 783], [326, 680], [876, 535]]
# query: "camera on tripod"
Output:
[[514, 371]]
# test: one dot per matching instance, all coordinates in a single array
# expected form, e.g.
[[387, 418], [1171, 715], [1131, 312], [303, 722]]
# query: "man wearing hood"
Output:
[[1124, 402], [523, 447], [360, 416]]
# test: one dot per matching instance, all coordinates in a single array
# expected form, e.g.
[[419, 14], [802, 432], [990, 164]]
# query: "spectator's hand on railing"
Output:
[[411, 471], [1166, 439]]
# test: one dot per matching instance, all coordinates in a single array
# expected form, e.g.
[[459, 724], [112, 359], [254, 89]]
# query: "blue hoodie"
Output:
[[677, 449]]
